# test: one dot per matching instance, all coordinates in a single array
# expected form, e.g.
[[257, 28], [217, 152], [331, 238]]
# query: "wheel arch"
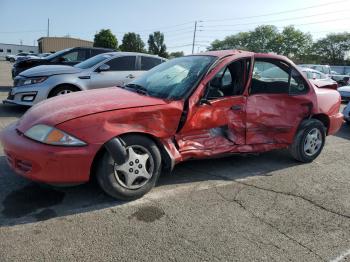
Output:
[[324, 119], [168, 161], [63, 84]]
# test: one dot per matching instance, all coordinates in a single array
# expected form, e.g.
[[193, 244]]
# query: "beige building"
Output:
[[54, 44]]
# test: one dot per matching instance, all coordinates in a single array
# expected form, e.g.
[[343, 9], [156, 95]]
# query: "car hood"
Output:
[[48, 70], [63, 108]]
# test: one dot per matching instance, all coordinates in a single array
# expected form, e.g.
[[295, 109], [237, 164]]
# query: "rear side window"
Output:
[[276, 78], [149, 62], [124, 63]]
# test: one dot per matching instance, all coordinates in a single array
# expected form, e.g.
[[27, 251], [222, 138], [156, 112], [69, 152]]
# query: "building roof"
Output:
[[63, 37]]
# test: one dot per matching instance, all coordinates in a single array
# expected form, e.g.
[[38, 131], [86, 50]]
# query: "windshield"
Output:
[[57, 53], [172, 79], [93, 61]]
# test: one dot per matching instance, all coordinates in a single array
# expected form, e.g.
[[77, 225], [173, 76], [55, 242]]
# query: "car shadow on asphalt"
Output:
[[7, 110], [23, 201]]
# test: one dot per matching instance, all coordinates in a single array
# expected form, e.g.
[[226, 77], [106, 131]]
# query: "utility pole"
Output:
[[194, 36], [48, 27]]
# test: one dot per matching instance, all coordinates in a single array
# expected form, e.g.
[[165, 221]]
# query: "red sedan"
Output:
[[199, 106]]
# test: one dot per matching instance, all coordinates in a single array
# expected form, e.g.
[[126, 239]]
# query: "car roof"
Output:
[[132, 53], [225, 53], [92, 48]]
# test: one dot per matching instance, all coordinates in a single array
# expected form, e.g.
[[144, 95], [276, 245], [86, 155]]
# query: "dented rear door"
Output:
[[279, 100]]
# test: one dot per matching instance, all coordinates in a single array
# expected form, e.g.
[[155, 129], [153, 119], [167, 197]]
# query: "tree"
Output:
[[105, 39], [293, 43], [132, 43], [156, 44], [262, 39], [176, 54], [333, 48], [237, 41]]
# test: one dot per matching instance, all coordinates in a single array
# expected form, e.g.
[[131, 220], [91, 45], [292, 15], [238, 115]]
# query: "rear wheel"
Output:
[[135, 177], [12, 60], [63, 90], [309, 141]]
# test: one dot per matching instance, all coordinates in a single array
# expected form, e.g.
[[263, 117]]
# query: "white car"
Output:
[[14, 58]]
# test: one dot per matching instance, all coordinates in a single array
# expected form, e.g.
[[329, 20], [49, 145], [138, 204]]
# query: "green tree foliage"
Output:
[[264, 39], [176, 54], [105, 39], [293, 43], [332, 49], [132, 43], [156, 44]]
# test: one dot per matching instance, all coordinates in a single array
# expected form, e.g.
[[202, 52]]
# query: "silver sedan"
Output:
[[104, 70]]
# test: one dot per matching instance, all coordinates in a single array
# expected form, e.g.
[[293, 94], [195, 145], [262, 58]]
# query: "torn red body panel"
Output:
[[250, 111]]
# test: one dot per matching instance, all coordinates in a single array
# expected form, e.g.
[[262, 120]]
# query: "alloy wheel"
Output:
[[313, 142], [137, 169]]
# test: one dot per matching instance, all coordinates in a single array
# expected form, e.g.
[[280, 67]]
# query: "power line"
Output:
[[275, 13], [312, 23], [278, 20]]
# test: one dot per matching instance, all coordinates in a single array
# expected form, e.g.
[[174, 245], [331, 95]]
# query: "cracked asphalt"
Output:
[[263, 207]]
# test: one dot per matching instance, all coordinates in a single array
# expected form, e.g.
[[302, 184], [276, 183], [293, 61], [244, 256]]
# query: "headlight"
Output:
[[31, 81], [52, 136]]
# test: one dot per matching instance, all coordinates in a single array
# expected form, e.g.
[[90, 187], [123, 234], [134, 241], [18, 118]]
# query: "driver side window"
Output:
[[229, 81]]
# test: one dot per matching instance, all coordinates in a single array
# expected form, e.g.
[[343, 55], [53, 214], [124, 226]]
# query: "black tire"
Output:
[[106, 174], [12, 60], [297, 147], [57, 90]]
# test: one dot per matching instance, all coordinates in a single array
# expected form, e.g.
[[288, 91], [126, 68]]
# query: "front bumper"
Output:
[[27, 96], [45, 163]]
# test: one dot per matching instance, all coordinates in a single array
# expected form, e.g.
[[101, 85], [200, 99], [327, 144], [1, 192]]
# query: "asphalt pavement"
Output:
[[264, 207]]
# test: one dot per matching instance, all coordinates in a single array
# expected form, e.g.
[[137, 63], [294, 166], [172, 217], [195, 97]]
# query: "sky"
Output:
[[24, 21]]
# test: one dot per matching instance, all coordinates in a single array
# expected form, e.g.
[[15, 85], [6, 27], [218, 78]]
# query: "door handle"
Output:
[[131, 76], [236, 108]]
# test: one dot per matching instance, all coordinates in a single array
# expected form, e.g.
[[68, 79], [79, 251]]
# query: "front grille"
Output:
[[21, 165], [10, 159]]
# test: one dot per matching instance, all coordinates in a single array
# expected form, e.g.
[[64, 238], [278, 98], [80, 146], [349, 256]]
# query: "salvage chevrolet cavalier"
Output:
[[207, 105]]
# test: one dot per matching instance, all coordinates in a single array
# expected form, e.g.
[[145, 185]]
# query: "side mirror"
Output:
[[103, 68]]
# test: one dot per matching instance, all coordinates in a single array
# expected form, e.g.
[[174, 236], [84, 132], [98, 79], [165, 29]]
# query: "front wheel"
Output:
[[137, 176], [62, 90], [309, 141]]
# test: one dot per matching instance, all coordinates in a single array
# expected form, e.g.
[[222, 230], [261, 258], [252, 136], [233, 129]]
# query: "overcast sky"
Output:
[[26, 21]]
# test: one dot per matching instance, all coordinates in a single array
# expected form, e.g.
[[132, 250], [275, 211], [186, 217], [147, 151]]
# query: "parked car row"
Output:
[[206, 105], [104, 70], [342, 80], [70, 56]]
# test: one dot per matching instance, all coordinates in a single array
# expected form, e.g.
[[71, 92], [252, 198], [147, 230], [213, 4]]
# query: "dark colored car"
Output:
[[200, 106], [70, 56]]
